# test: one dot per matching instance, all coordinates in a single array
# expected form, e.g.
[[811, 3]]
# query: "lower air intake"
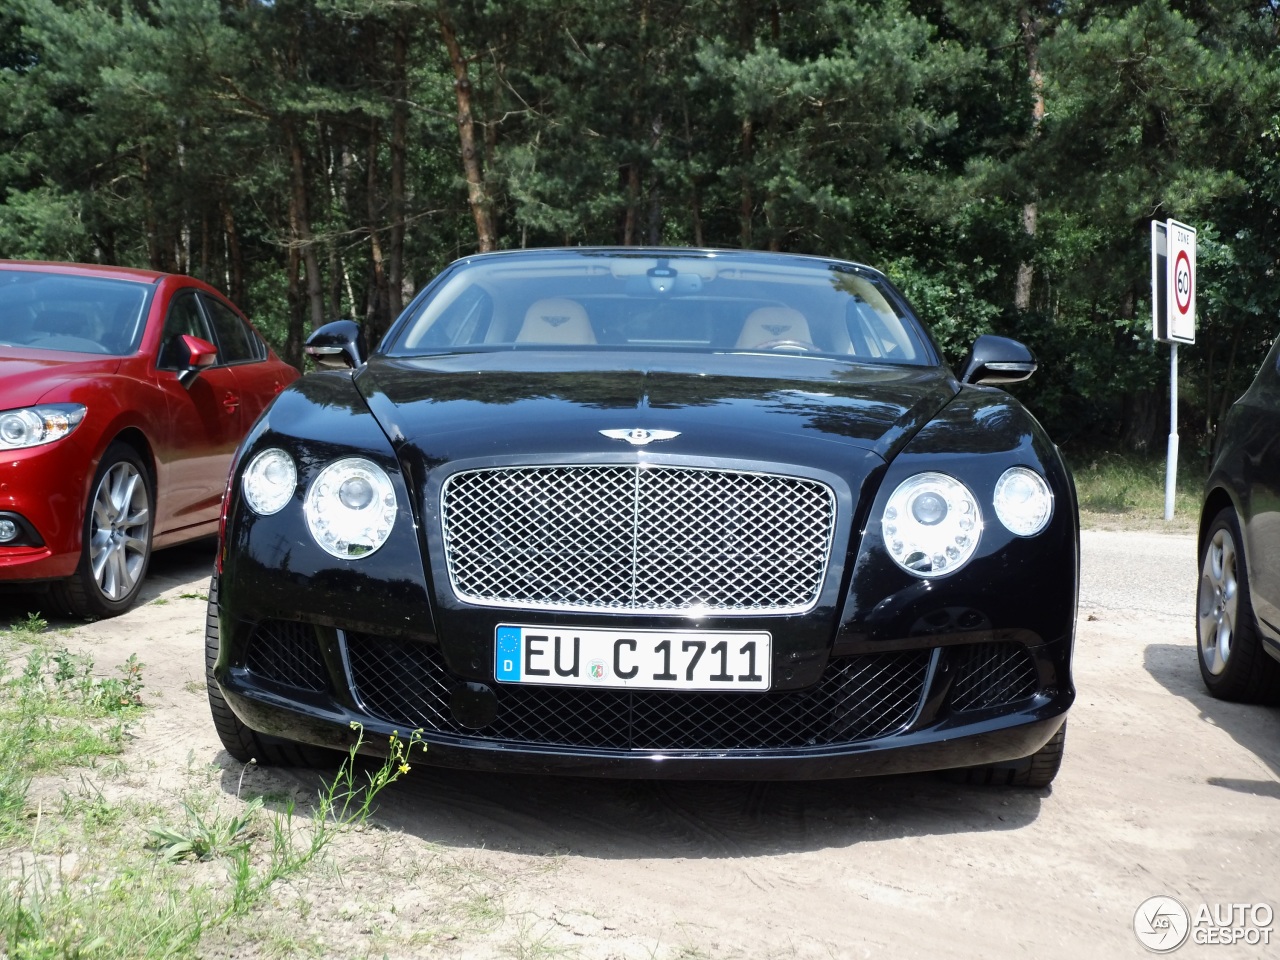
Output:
[[858, 698]]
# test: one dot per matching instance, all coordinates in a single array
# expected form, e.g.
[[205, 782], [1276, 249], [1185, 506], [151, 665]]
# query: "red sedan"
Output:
[[123, 394]]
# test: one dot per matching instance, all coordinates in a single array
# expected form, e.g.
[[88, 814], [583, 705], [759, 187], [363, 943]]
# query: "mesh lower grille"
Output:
[[626, 538], [992, 675], [287, 652], [858, 698]]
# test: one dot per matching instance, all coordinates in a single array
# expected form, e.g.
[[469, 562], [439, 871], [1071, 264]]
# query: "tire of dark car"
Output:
[[1232, 662], [117, 536], [1035, 771]]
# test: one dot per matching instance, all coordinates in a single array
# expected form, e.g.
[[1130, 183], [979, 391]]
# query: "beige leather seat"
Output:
[[556, 320], [771, 324]]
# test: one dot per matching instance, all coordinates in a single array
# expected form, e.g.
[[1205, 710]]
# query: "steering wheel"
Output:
[[803, 346]]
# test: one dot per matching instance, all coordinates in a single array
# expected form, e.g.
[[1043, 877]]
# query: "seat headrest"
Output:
[[556, 320], [768, 324]]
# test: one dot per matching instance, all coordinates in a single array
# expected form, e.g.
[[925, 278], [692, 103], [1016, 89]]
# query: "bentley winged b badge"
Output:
[[639, 437]]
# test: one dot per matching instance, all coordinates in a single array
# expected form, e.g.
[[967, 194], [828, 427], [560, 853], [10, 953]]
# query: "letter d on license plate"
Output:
[[637, 659]]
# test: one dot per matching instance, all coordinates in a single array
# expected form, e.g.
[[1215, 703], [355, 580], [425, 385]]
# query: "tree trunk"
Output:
[[746, 147], [695, 188], [633, 201], [1227, 395], [1030, 25], [235, 256], [151, 229], [300, 223], [655, 191], [1140, 419], [293, 336], [477, 195], [399, 138], [206, 243], [376, 312]]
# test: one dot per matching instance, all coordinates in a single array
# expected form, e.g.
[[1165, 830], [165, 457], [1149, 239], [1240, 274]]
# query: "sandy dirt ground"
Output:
[[1163, 791]]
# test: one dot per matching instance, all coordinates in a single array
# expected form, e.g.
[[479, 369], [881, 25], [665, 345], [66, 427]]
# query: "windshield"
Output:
[[73, 314], [592, 300]]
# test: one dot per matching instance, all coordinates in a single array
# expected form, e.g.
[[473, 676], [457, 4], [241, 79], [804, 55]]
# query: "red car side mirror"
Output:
[[199, 355]]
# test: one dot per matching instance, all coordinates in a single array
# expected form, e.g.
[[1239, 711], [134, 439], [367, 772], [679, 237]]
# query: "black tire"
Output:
[[1035, 771], [116, 537], [1232, 660], [241, 742]]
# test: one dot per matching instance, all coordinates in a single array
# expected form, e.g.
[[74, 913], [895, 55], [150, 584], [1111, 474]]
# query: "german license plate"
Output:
[[638, 659]]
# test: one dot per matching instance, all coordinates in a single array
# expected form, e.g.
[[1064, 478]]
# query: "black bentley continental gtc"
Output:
[[651, 513]]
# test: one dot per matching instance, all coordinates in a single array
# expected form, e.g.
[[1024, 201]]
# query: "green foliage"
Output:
[[304, 155]]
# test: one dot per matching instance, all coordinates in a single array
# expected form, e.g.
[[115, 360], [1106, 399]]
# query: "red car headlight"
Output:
[[35, 426]]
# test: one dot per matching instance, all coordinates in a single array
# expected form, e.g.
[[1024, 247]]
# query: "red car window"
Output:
[[185, 317], [237, 343]]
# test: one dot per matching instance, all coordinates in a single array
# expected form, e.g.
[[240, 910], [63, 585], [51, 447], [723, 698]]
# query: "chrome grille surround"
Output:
[[637, 538]]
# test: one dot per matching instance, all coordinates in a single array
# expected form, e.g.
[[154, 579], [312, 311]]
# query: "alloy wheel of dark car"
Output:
[[117, 538], [242, 743], [1232, 662]]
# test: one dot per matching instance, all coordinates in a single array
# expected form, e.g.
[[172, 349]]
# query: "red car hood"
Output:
[[27, 375]]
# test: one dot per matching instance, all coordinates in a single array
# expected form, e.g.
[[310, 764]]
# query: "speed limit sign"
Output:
[[1180, 298], [1173, 319], [1173, 282]]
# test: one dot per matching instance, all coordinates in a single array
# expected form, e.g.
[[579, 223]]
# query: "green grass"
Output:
[[101, 873], [53, 714], [1115, 490]]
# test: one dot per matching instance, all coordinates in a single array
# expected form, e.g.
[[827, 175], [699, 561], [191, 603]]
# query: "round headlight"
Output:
[[351, 508], [1024, 502], [269, 482], [931, 525]]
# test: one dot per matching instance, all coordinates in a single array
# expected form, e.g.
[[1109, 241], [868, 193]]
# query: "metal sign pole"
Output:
[[1171, 466], [1173, 319]]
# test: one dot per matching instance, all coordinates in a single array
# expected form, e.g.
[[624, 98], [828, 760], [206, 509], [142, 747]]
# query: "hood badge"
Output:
[[639, 437]]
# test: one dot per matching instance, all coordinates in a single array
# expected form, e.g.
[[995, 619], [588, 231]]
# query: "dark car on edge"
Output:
[[1238, 607], [651, 513]]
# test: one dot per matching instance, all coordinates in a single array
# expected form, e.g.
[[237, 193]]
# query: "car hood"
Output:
[[724, 406], [27, 376]]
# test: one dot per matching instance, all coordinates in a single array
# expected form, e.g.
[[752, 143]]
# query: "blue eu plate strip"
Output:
[[506, 666]]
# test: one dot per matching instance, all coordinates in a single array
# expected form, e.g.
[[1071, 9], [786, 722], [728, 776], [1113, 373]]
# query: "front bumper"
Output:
[[45, 488], [915, 709]]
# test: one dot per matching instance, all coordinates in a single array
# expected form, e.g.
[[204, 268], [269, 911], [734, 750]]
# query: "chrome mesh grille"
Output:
[[858, 698], [627, 538]]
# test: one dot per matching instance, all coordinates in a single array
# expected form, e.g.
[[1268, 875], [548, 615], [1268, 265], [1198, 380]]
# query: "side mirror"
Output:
[[337, 345], [197, 355], [997, 360]]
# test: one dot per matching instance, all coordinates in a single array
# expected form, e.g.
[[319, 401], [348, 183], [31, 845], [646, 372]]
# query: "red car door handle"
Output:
[[231, 402]]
